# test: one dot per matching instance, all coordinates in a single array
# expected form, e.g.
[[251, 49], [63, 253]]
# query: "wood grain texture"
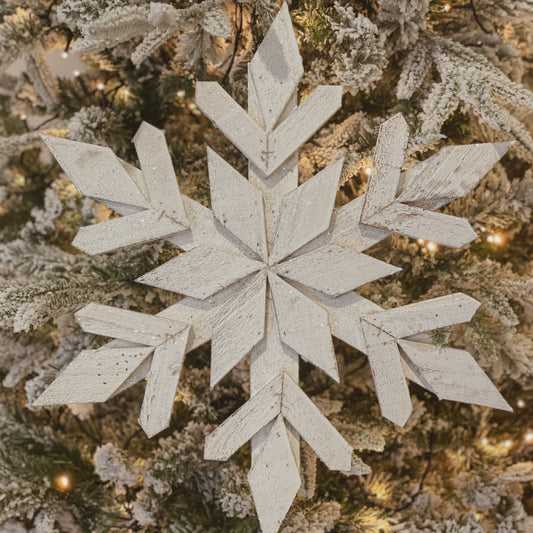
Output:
[[387, 165], [244, 423], [387, 372], [237, 205], [314, 427], [276, 69], [239, 326], [158, 173], [162, 383], [451, 374], [449, 174], [303, 325], [95, 171], [303, 217], [93, 376], [274, 477], [334, 270], [127, 325], [200, 272], [425, 316]]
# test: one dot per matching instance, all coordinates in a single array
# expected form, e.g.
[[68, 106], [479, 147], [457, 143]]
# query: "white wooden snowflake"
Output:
[[270, 271]]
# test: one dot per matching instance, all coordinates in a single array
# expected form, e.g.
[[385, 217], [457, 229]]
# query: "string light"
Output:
[[63, 482], [180, 93], [23, 116], [64, 54], [508, 443], [368, 171], [521, 404], [447, 6], [100, 86], [431, 246], [76, 73], [495, 238], [128, 506], [484, 441], [126, 92], [420, 241], [528, 437]]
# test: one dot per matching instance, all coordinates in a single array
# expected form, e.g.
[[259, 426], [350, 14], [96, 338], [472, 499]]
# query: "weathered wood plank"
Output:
[[127, 325], [95, 171], [238, 327], [158, 173], [314, 427], [334, 270], [200, 272], [303, 217], [244, 423], [162, 383], [303, 325], [387, 372], [93, 376], [451, 374], [275, 69], [237, 204], [144, 226], [274, 478], [425, 316]]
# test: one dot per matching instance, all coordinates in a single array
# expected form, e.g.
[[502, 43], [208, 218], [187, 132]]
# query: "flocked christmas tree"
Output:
[[452, 71]]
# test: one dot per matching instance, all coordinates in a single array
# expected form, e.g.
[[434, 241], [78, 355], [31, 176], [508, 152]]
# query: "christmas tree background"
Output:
[[92, 71]]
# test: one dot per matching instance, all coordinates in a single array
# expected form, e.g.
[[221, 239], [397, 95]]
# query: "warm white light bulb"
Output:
[[420, 241], [100, 86], [521, 404], [431, 246], [63, 481], [490, 238], [528, 437], [497, 239], [180, 93], [368, 171], [447, 6], [76, 73], [508, 443], [64, 54]]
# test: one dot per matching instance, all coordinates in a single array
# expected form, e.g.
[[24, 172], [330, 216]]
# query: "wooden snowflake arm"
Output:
[[200, 272], [391, 199], [334, 269], [158, 173], [303, 325], [276, 69], [304, 219], [98, 173], [238, 327], [450, 374], [94, 376], [237, 204]]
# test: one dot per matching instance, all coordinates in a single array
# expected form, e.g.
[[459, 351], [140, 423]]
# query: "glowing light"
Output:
[[64, 54], [447, 6], [521, 404], [100, 86], [126, 92], [431, 246], [76, 73], [192, 106], [508, 443], [495, 238], [420, 241], [23, 116], [528, 437], [180, 93], [368, 171], [484, 441], [63, 482], [128, 506], [20, 180]]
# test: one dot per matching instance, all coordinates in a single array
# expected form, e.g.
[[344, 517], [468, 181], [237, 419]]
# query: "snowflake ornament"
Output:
[[270, 271]]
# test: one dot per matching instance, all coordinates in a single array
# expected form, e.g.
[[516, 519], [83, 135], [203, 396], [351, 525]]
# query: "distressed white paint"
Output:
[[451, 374], [200, 272], [303, 325], [274, 477], [158, 173], [239, 326], [387, 371], [334, 270], [237, 204], [162, 382], [304, 218]]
